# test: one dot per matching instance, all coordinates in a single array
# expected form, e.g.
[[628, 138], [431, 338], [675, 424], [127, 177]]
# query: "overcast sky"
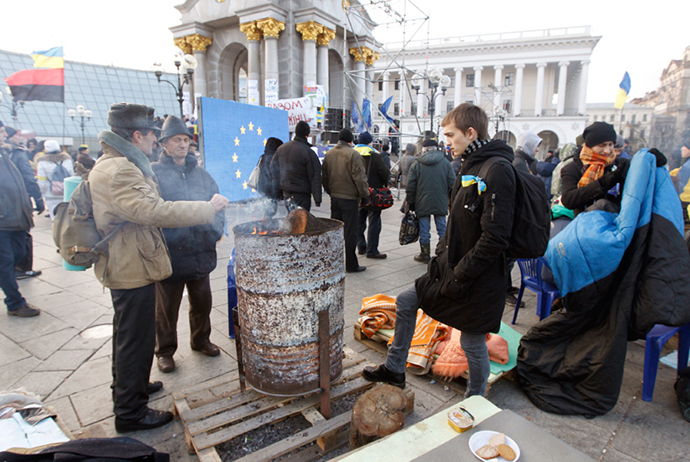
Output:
[[638, 37]]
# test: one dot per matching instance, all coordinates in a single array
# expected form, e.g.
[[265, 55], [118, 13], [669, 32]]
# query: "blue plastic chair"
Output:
[[531, 279], [656, 339]]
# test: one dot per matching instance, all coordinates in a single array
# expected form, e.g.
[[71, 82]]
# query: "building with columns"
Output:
[[532, 80], [269, 50]]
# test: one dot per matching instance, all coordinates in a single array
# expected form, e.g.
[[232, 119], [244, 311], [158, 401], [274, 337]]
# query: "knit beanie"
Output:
[[346, 135], [428, 143], [302, 129], [599, 132], [365, 138], [528, 141]]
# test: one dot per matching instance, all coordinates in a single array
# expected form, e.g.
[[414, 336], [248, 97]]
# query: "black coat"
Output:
[[377, 173], [465, 284], [19, 158], [577, 199], [268, 185], [15, 206], [298, 168], [192, 249]]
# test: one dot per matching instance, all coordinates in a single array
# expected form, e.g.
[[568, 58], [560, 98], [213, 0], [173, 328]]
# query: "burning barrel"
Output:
[[283, 282]]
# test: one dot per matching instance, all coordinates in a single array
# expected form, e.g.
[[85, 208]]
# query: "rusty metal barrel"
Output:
[[283, 282]]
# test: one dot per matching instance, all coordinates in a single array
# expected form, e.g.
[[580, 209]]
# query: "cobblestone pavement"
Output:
[[64, 356]]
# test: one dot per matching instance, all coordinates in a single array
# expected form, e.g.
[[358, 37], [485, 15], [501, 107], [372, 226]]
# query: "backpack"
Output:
[[57, 179], [532, 217], [74, 229]]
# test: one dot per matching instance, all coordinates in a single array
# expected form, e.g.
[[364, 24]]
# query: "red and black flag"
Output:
[[44, 84]]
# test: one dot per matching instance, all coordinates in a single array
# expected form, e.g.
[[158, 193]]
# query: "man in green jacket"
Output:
[[125, 195]]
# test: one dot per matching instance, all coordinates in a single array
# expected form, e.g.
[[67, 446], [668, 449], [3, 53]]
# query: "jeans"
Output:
[[347, 211], [474, 345], [12, 252], [371, 242], [425, 228]]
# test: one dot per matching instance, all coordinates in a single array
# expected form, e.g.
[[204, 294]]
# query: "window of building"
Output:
[[413, 108], [622, 117], [612, 118], [634, 117], [452, 80], [380, 85], [397, 84], [508, 106], [449, 106], [508, 79], [644, 117], [469, 80], [396, 109]]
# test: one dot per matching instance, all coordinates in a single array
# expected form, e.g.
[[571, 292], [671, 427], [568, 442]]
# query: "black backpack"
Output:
[[532, 218]]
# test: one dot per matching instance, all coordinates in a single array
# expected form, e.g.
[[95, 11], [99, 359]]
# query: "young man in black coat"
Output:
[[192, 250], [465, 283]]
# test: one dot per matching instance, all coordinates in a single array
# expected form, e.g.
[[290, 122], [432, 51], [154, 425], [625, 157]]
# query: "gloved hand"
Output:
[[621, 172], [40, 206], [609, 180], [660, 157]]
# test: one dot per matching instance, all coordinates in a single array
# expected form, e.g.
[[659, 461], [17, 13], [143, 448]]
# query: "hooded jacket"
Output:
[[343, 174], [192, 249], [465, 284], [297, 168], [15, 207], [527, 144], [124, 190], [45, 167], [429, 184]]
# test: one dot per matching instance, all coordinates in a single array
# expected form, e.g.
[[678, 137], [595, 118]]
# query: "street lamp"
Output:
[[84, 115], [12, 105], [438, 84], [185, 71]]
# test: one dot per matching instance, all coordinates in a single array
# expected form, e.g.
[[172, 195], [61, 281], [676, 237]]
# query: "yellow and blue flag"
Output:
[[51, 59], [623, 91]]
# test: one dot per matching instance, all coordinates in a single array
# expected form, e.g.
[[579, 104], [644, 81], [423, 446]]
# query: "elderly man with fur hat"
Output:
[[298, 169], [126, 202], [192, 249]]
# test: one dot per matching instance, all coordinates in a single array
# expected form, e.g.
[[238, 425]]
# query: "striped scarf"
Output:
[[596, 164], [475, 145]]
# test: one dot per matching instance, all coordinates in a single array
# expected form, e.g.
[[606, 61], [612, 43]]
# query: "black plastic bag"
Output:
[[409, 229]]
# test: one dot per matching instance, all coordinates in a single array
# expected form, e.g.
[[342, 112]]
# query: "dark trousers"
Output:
[[134, 338], [12, 252], [371, 243], [303, 200], [27, 263], [168, 298], [347, 211]]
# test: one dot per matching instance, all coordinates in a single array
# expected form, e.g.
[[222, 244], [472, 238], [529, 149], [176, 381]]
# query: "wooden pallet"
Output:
[[220, 413], [379, 343]]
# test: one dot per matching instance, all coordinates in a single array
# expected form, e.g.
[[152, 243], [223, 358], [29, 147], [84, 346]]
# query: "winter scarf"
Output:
[[596, 164], [127, 149]]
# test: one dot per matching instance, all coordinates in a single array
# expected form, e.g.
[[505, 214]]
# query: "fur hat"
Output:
[[365, 138], [52, 146], [346, 135], [173, 126], [302, 129], [10, 132], [130, 116], [599, 132], [410, 149], [529, 142]]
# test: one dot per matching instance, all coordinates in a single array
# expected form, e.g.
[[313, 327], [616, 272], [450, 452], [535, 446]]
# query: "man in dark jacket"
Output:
[[298, 169], [19, 157], [192, 249], [465, 283], [15, 221], [377, 177], [345, 180], [527, 144], [429, 184]]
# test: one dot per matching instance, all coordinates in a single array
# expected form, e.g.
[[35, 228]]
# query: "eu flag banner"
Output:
[[234, 136], [623, 91]]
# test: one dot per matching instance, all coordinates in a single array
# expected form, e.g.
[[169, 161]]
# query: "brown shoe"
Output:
[[208, 348], [26, 311], [166, 364]]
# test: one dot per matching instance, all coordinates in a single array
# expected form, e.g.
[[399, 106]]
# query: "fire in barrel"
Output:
[[284, 279]]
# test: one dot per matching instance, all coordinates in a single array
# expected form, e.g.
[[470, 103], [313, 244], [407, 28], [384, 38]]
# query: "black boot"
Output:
[[382, 374], [424, 255]]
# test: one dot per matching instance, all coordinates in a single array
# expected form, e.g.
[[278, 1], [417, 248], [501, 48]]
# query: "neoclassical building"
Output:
[[260, 51], [532, 80]]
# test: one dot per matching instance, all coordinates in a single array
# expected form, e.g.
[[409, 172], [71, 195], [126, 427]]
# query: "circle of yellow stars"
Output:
[[243, 131]]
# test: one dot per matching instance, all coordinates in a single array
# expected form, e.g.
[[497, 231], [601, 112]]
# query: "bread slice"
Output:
[[487, 452], [498, 438]]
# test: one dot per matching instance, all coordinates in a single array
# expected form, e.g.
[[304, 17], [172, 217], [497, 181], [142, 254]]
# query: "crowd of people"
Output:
[[148, 190]]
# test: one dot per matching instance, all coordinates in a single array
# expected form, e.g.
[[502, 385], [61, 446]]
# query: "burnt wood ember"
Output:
[[300, 221], [283, 282]]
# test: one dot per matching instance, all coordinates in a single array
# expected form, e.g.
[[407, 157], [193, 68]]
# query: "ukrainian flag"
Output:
[[51, 59], [623, 91]]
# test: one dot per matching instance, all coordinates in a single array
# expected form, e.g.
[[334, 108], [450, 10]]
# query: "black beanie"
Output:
[[302, 129], [346, 135], [599, 132], [428, 142]]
